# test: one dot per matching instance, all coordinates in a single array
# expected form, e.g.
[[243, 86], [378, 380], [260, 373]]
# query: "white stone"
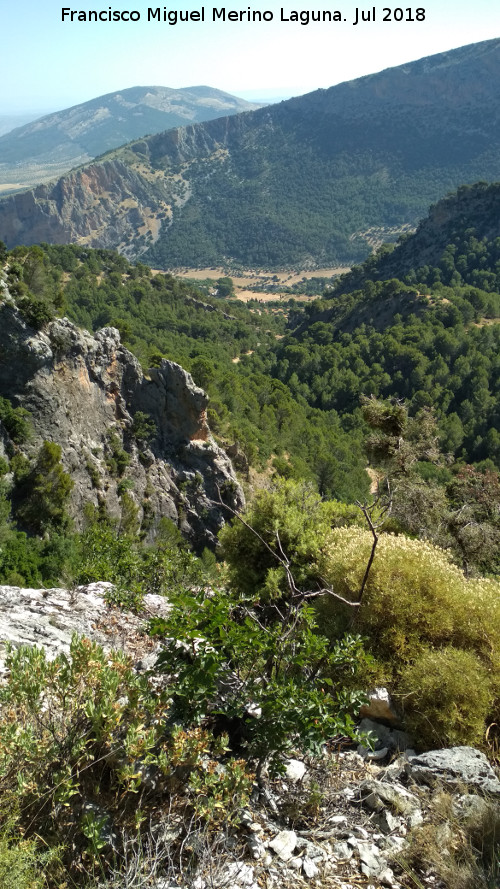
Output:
[[295, 770], [309, 868], [284, 844], [342, 851]]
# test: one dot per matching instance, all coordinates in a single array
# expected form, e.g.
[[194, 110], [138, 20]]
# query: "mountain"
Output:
[[9, 121], [53, 144], [316, 179]]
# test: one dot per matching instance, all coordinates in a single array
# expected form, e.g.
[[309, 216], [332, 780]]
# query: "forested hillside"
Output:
[[49, 146], [364, 427], [315, 180]]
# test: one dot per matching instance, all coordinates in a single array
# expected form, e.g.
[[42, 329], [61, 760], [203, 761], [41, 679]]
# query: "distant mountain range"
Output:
[[9, 121], [53, 144], [314, 180]]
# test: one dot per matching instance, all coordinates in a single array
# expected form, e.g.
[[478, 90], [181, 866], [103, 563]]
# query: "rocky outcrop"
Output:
[[51, 145], [83, 392], [50, 618]]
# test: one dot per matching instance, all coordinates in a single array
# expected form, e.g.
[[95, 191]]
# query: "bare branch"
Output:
[[297, 596]]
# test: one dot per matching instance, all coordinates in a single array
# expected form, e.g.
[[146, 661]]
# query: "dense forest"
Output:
[[289, 383]]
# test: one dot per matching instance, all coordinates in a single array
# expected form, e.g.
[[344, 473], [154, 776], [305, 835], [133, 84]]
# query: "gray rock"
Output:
[[387, 822], [386, 878], [376, 795], [384, 739], [82, 389], [310, 850], [50, 618], [237, 874], [455, 766]]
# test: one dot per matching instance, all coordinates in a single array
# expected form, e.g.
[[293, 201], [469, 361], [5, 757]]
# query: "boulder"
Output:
[[455, 767]]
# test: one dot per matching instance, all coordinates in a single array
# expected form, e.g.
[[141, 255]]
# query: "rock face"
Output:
[[456, 767], [364, 158], [51, 145], [83, 391], [49, 618]]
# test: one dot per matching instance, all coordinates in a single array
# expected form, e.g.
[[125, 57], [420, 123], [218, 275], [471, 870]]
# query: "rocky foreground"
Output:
[[346, 819]]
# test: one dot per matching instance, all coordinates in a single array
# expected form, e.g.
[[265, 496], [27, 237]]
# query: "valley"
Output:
[[314, 181], [250, 488]]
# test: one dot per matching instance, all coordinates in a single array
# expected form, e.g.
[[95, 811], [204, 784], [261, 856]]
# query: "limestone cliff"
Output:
[[317, 179], [83, 391]]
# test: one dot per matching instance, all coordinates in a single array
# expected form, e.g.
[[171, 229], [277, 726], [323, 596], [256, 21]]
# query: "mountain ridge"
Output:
[[304, 181], [50, 145]]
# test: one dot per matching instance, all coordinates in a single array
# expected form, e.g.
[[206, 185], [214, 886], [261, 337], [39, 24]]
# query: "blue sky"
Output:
[[48, 65]]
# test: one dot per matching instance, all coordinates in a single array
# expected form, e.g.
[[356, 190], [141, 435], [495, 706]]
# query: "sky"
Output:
[[48, 64]]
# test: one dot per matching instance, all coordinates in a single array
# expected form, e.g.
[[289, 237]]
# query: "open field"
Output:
[[252, 278]]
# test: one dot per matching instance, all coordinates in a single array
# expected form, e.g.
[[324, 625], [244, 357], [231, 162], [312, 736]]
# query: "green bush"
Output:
[[117, 459], [292, 518], [85, 729], [43, 493], [419, 611], [143, 427], [446, 697], [15, 420], [37, 312], [269, 685], [23, 864]]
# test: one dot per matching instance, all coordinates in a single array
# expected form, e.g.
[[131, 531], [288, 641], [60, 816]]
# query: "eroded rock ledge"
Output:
[[83, 392]]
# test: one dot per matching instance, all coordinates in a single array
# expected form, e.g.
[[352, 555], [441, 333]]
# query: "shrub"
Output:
[[23, 865], [143, 427], [44, 492], [117, 459], [269, 685], [291, 516], [446, 696], [420, 612], [15, 420], [414, 596], [37, 312], [83, 735]]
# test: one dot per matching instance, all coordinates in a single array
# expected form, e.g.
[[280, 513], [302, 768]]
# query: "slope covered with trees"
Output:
[[315, 179], [274, 646]]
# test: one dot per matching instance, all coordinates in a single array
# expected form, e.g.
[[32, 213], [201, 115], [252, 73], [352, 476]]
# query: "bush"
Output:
[[291, 516], [446, 696], [417, 600], [15, 420], [87, 751], [269, 686], [22, 864], [37, 312], [44, 492]]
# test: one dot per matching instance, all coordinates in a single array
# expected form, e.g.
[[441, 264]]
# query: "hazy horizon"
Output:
[[52, 65]]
